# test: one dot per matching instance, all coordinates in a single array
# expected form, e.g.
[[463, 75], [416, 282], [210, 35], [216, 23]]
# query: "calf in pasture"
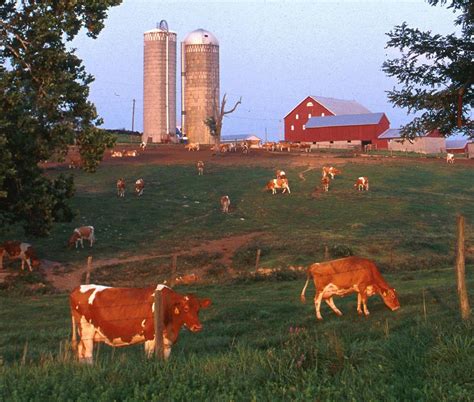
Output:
[[449, 158], [139, 187], [200, 168], [132, 153], [348, 275], [192, 146], [277, 184], [116, 154], [362, 184], [143, 145], [121, 187], [325, 183], [245, 148], [125, 316], [269, 146], [225, 203], [330, 171], [18, 250], [81, 233], [281, 146]]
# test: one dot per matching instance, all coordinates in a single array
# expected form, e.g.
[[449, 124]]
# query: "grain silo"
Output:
[[200, 84], [159, 85]]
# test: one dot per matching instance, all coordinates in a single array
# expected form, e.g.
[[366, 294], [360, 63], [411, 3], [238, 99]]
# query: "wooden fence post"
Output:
[[88, 272], [257, 259], [174, 264], [461, 271], [158, 324]]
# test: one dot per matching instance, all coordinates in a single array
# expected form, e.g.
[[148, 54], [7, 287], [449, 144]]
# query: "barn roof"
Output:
[[341, 106], [336, 106], [393, 133], [456, 144], [345, 120]]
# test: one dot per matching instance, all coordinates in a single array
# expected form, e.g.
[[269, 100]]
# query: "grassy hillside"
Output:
[[259, 342], [406, 220]]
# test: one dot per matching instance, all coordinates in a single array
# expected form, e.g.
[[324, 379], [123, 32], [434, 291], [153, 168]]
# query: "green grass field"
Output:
[[249, 348]]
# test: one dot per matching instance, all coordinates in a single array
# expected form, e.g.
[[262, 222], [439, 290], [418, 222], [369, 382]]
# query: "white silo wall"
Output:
[[200, 85], [159, 86]]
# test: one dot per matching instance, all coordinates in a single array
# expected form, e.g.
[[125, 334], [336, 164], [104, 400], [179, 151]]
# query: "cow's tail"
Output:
[[303, 291], [74, 334]]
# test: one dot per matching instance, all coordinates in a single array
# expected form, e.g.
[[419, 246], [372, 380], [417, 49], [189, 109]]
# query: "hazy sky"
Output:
[[272, 53]]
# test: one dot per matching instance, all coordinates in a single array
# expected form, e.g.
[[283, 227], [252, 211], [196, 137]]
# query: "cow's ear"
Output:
[[176, 310], [205, 303]]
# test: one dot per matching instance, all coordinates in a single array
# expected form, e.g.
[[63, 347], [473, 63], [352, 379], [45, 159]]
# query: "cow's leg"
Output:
[[149, 348], [22, 264], [330, 303], [288, 188], [317, 305], [28, 262], [364, 298], [359, 302], [85, 347], [82, 242]]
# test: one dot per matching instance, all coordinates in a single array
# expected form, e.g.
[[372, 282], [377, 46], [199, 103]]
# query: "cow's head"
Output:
[[72, 240], [390, 298], [185, 311]]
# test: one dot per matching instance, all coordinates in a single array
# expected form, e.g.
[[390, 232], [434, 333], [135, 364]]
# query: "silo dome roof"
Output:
[[200, 37]]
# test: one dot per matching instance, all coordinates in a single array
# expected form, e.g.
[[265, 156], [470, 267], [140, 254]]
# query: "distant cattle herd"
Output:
[[332, 278]]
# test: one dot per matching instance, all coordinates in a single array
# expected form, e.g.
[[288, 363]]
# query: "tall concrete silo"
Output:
[[199, 83], [159, 84]]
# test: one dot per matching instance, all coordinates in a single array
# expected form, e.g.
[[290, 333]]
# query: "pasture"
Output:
[[258, 342]]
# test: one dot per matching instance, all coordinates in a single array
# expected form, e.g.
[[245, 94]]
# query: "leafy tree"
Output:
[[436, 73], [214, 123], [43, 98]]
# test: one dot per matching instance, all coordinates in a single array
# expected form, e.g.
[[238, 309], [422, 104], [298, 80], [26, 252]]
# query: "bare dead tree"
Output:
[[214, 123]]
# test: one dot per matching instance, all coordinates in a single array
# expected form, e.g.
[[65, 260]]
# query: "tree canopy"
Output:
[[436, 74], [44, 91]]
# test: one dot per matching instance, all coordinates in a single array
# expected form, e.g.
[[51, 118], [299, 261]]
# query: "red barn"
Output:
[[335, 123]]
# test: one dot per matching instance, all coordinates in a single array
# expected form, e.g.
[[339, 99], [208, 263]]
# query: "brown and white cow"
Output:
[[139, 187], [225, 204], [143, 145], [125, 316], [200, 168], [330, 171], [325, 183], [362, 184], [277, 184], [116, 154], [132, 153], [449, 158], [121, 187], [81, 233], [18, 250], [192, 146], [348, 275]]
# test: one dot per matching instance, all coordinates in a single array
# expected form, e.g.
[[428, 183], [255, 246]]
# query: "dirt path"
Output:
[[226, 246], [301, 174]]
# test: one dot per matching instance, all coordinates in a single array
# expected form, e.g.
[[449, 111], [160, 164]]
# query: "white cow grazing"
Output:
[[449, 158]]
